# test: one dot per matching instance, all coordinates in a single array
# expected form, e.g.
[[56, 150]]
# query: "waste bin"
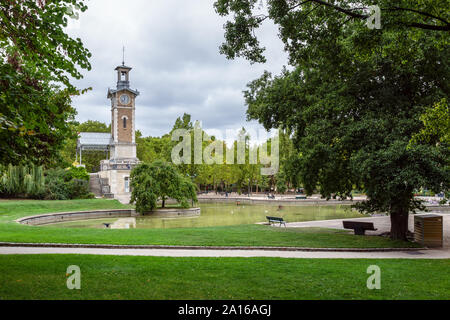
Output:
[[428, 230]]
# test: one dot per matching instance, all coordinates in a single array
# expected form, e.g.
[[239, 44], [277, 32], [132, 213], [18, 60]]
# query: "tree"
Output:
[[22, 181], [353, 100], [294, 17], [36, 60], [159, 181], [281, 183]]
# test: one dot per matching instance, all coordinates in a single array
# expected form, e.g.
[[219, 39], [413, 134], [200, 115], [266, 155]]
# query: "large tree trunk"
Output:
[[399, 224]]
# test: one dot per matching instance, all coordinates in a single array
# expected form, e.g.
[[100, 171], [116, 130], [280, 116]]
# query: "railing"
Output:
[[118, 164]]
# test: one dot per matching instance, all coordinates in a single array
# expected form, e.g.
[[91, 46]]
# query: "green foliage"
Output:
[[159, 181], [354, 97], [436, 121], [79, 189], [36, 60], [302, 22], [281, 183], [79, 173], [57, 184], [61, 184], [219, 177], [22, 181]]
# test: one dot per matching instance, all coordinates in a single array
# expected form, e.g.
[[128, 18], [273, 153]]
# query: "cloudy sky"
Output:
[[173, 47]]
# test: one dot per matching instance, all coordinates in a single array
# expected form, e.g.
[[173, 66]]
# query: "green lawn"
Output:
[[242, 235], [109, 277]]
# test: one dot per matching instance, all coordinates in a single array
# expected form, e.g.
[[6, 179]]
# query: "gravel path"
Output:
[[423, 254]]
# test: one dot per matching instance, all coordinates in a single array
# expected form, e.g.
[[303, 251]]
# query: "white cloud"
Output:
[[173, 47]]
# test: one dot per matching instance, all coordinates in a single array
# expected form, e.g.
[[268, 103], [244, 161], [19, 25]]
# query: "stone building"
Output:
[[113, 180]]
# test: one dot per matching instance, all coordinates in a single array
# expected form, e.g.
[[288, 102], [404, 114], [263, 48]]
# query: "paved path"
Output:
[[383, 224], [423, 254]]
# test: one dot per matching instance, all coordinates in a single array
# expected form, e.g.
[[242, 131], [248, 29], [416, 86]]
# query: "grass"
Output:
[[110, 277], [240, 235]]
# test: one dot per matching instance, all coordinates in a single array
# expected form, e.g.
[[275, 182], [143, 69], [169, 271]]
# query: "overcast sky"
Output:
[[173, 47]]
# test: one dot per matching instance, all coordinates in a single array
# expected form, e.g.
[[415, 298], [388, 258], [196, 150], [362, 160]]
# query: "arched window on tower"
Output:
[[124, 122]]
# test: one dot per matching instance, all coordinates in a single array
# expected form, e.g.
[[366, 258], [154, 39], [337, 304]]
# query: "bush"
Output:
[[57, 186], [79, 173], [60, 185], [79, 189], [22, 181]]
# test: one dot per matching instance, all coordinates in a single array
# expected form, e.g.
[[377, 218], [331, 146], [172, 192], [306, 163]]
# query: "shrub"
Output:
[[79, 189], [22, 181], [60, 185], [79, 173], [57, 186]]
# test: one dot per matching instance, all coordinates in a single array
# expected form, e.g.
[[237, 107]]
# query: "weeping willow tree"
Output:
[[23, 180]]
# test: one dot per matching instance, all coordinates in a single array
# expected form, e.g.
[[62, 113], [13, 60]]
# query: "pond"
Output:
[[226, 214]]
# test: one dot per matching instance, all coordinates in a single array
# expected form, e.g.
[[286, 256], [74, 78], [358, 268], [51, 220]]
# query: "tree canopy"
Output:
[[37, 57], [302, 21], [159, 181], [353, 97]]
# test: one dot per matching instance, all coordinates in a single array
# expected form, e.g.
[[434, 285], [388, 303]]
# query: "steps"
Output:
[[123, 198], [94, 185], [106, 188]]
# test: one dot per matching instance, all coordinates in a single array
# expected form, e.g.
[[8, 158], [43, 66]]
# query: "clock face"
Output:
[[124, 99]]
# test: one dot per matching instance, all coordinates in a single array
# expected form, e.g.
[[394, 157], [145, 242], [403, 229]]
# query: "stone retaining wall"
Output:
[[286, 202], [103, 214], [174, 212], [74, 216]]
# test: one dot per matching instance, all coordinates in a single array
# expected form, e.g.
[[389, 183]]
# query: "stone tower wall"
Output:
[[125, 134]]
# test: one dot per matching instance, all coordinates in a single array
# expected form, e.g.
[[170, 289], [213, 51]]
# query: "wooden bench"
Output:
[[276, 220], [359, 227]]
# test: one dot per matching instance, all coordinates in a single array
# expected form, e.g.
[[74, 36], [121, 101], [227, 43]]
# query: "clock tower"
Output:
[[115, 173], [123, 112]]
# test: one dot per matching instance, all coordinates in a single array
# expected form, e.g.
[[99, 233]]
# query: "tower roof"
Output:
[[113, 91], [123, 67]]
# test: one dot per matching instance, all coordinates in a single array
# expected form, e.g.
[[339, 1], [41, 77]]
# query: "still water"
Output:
[[226, 214]]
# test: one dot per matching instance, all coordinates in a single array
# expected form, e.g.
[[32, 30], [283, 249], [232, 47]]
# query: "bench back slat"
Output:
[[275, 218], [358, 224]]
